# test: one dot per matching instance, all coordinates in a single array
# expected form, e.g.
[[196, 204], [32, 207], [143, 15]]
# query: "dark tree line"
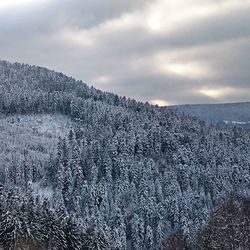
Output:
[[229, 226], [227, 229]]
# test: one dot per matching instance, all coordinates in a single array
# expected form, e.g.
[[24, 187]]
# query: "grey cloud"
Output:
[[51, 15], [33, 35], [230, 26], [86, 14], [206, 31], [171, 89]]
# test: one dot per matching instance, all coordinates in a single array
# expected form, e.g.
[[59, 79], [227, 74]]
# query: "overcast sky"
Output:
[[161, 51]]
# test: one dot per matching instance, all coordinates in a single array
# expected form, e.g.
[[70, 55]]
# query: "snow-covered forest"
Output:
[[111, 172]]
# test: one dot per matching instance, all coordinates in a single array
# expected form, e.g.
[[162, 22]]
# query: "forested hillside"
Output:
[[228, 113], [32, 138], [114, 173]]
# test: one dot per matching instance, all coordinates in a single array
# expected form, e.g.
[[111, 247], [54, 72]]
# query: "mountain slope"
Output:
[[229, 113], [126, 175], [32, 137]]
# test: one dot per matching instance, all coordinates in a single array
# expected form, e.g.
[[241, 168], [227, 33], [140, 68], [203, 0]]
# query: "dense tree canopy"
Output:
[[127, 175]]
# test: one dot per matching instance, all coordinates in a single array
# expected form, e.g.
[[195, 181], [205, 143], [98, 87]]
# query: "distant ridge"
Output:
[[215, 113]]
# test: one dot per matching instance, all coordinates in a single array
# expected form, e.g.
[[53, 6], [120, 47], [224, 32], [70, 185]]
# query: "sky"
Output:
[[162, 51]]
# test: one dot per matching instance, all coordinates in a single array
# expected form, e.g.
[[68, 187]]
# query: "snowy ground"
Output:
[[33, 135], [236, 122]]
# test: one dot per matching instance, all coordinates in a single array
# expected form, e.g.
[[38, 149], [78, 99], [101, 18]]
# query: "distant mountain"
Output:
[[229, 113], [86, 169]]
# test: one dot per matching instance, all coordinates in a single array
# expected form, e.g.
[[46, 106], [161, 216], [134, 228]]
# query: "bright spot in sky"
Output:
[[216, 93], [188, 69], [104, 79], [181, 65], [159, 102], [154, 24], [80, 38], [166, 15]]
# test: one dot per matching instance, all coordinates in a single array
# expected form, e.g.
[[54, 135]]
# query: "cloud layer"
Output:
[[162, 51]]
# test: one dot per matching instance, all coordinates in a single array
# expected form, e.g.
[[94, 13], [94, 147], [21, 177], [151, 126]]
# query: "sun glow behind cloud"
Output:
[[217, 92], [103, 79], [162, 16], [189, 69], [159, 102], [78, 38], [181, 64]]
